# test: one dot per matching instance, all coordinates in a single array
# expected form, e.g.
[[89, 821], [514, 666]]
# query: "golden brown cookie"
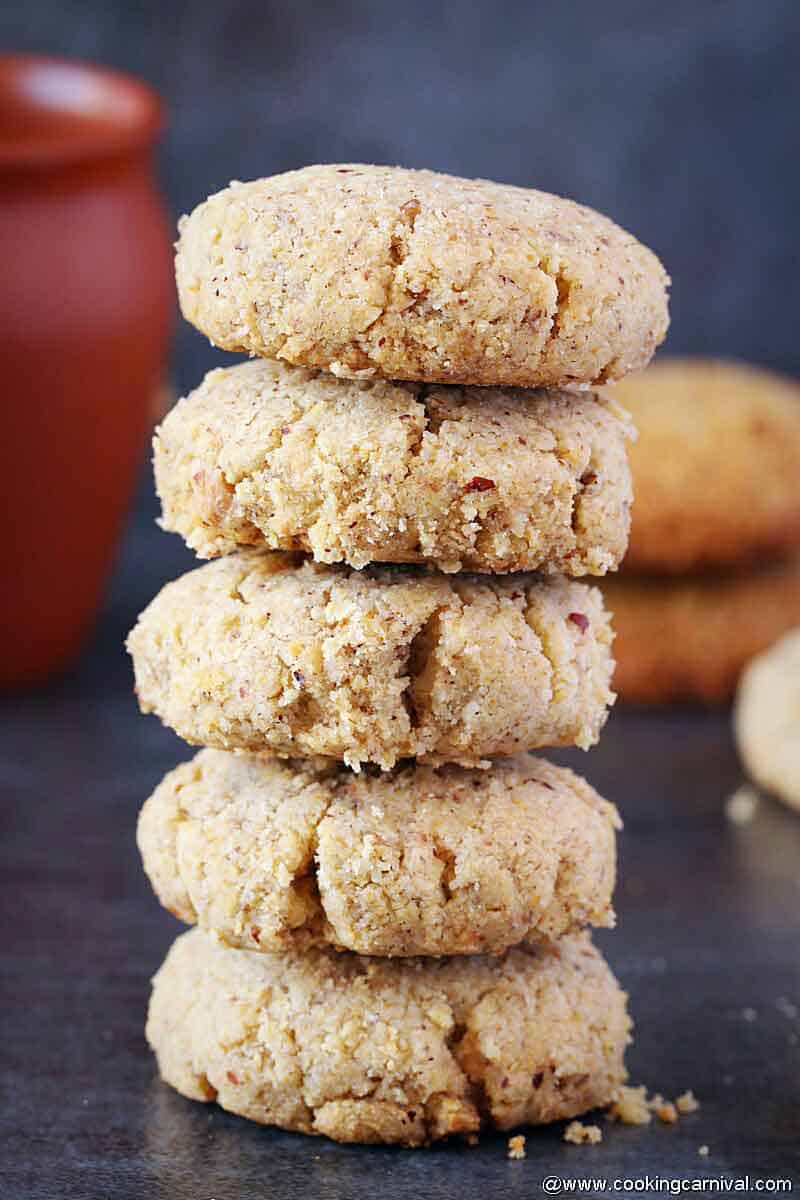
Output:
[[273, 855], [269, 653], [381, 1050], [379, 271], [688, 639], [716, 467], [767, 718], [358, 472]]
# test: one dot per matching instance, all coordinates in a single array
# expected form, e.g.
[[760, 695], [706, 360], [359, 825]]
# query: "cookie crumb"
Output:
[[633, 1106], [582, 1135], [516, 1146], [471, 1139], [749, 1015], [741, 805], [703, 1151], [630, 1106], [687, 1102]]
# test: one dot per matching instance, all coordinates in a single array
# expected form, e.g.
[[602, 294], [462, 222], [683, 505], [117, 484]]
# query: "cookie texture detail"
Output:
[[269, 653], [269, 455], [375, 1050], [371, 271], [271, 855]]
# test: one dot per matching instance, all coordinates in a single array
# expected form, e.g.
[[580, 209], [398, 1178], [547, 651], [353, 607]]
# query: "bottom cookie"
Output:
[[689, 638], [767, 719], [366, 1050]]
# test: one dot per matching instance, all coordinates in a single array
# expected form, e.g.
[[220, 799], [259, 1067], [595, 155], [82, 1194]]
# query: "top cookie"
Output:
[[371, 271], [716, 465]]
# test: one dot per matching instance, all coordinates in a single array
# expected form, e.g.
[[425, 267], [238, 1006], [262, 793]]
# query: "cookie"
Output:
[[269, 455], [767, 718], [382, 1050], [273, 855], [273, 654], [716, 466], [379, 271], [688, 639]]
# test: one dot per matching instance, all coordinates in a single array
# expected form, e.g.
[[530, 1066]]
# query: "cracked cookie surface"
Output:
[[270, 653], [767, 718], [360, 472], [273, 855], [375, 1050], [381, 271], [716, 466], [688, 639]]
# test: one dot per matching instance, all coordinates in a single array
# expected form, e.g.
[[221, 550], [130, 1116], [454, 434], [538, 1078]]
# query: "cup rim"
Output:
[[130, 111]]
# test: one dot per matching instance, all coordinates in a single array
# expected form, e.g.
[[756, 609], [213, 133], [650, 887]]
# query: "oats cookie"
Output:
[[273, 855], [269, 455], [273, 654], [382, 1050], [688, 639], [767, 718], [716, 467], [380, 271]]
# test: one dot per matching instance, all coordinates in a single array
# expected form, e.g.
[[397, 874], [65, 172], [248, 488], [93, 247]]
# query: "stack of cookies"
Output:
[[712, 573], [390, 894]]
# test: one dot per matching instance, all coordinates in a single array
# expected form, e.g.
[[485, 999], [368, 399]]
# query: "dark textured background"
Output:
[[680, 121]]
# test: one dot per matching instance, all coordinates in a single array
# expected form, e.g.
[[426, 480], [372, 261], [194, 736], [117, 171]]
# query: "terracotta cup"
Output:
[[86, 307]]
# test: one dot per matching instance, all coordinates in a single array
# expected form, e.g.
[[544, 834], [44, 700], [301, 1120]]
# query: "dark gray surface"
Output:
[[677, 119], [708, 927]]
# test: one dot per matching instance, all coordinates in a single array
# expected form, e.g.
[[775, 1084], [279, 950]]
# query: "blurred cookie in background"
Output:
[[716, 468], [712, 573], [689, 638], [767, 719]]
